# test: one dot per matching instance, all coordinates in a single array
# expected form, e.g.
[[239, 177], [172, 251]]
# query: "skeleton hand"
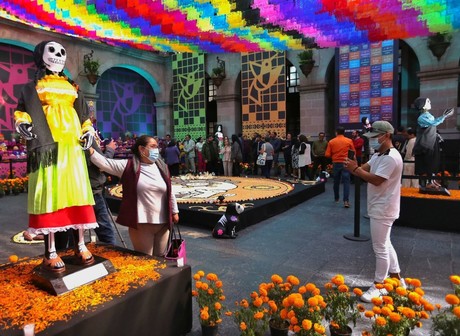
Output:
[[448, 112], [86, 140], [25, 130]]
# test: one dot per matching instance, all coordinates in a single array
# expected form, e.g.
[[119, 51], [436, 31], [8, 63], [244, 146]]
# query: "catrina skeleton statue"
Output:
[[54, 119]]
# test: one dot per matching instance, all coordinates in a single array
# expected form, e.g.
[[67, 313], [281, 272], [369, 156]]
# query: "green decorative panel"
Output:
[[189, 103]]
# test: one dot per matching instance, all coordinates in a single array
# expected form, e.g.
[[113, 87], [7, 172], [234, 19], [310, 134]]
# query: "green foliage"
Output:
[[91, 66], [218, 72], [306, 56]]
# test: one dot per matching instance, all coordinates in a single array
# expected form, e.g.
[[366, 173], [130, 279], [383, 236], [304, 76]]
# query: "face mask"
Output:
[[374, 143], [154, 154]]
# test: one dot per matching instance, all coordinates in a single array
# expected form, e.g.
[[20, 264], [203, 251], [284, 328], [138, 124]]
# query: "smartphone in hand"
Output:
[[351, 154]]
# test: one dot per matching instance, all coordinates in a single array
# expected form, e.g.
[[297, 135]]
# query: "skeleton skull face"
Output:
[[54, 57]]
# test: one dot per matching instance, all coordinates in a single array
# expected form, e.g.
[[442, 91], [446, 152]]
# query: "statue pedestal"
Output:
[[73, 277]]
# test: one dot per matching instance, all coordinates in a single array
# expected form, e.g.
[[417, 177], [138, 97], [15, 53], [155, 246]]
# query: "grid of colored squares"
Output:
[[367, 82]]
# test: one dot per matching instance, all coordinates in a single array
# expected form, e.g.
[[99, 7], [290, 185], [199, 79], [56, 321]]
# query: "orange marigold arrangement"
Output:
[[305, 311], [251, 316], [18, 293], [275, 293], [401, 310], [209, 295], [447, 321], [341, 304]]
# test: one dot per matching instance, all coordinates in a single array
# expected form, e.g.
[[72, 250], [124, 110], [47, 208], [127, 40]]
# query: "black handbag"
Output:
[[176, 245]]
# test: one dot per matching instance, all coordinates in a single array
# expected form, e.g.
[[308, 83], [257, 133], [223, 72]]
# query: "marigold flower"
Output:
[[395, 317], [284, 313], [365, 333], [210, 291], [316, 291], [401, 291], [13, 258], [424, 315], [204, 315], [222, 298], [376, 309], [211, 277], [219, 284], [338, 280], [276, 279], [243, 326], [408, 312], [259, 315], [416, 282], [455, 279], [299, 303], [244, 303], [258, 302], [377, 301], [312, 302], [343, 288], [385, 311], [414, 297], [328, 286], [200, 273], [380, 321], [196, 276], [418, 324], [419, 291], [294, 320], [361, 308], [387, 299], [194, 292], [358, 291], [452, 299], [254, 295], [204, 286], [306, 324], [456, 311], [302, 289], [319, 328], [296, 329], [293, 280], [369, 314], [389, 287], [310, 287], [272, 305], [217, 306]]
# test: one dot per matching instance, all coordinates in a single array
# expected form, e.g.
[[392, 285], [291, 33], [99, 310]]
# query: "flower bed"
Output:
[[18, 294]]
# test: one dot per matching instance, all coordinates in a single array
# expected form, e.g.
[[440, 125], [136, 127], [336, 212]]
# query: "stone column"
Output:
[[229, 113], [313, 109], [165, 122]]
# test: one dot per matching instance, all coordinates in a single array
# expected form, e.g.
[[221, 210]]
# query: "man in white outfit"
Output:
[[189, 148], [383, 176]]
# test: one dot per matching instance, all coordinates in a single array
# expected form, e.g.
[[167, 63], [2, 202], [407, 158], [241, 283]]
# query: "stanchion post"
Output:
[[356, 234]]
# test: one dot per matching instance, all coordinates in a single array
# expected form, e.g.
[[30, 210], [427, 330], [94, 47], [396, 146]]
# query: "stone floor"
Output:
[[306, 241]]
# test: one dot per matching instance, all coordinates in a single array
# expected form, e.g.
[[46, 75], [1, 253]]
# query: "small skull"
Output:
[[54, 57]]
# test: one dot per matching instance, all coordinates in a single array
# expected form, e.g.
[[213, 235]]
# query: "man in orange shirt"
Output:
[[337, 150]]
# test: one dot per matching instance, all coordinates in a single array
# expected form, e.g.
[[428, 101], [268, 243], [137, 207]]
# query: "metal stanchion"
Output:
[[114, 224], [356, 234]]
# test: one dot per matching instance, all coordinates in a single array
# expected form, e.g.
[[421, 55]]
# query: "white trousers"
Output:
[[386, 259], [150, 239]]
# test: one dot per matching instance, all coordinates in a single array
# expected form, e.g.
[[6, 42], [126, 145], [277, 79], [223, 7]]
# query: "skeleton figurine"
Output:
[[226, 226], [55, 122]]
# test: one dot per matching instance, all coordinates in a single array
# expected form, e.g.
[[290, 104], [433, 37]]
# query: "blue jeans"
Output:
[[105, 232], [341, 175]]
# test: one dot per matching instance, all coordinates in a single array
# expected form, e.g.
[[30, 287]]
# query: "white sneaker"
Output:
[[372, 292]]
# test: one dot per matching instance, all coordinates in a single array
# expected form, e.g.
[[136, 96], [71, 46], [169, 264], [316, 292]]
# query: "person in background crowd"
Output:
[[237, 155], [105, 232], [399, 138], [383, 176], [256, 145], [275, 141], [267, 148], [210, 153], [295, 157], [189, 148], [367, 151], [409, 160], [286, 147], [337, 150], [304, 157], [427, 145], [227, 161], [319, 151], [148, 206], [165, 144], [200, 160], [172, 157], [358, 142]]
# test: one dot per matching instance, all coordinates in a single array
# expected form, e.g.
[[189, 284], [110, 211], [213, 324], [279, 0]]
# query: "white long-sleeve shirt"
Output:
[[151, 189]]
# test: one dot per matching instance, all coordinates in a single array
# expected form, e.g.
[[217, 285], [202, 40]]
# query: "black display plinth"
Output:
[[73, 277]]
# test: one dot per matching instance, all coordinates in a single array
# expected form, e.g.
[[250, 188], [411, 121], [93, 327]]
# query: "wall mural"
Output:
[[189, 95], [17, 68], [125, 104], [263, 85]]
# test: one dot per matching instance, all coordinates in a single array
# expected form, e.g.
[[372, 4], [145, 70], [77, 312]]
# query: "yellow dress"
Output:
[[60, 195]]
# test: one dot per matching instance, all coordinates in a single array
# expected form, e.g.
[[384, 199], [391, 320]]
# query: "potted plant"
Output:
[[447, 321], [306, 61], [217, 76], [401, 310], [251, 316], [341, 306], [275, 292], [305, 311], [91, 67], [438, 44], [209, 295]]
